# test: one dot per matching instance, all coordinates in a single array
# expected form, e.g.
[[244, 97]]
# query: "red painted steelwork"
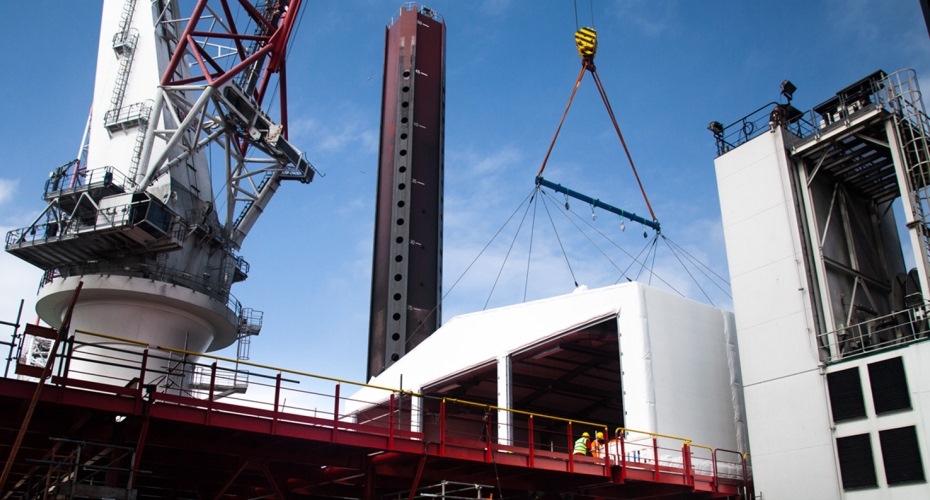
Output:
[[380, 442], [406, 259], [278, 21]]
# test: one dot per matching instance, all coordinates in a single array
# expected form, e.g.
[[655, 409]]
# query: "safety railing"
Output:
[[128, 215], [289, 402], [68, 178], [760, 121], [889, 92], [643, 454], [200, 283], [134, 114], [877, 333]]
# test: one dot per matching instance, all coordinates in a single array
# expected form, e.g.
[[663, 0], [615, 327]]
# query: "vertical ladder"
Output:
[[124, 44], [911, 130], [143, 123]]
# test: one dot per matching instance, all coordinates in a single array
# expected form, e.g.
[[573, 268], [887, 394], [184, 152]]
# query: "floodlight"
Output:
[[787, 89]]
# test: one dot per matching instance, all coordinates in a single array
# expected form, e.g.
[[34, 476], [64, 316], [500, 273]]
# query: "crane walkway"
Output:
[[127, 420]]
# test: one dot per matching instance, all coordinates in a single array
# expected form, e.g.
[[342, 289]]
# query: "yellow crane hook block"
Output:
[[586, 41]]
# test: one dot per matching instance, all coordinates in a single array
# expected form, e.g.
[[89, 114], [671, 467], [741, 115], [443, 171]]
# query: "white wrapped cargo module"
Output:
[[628, 355]]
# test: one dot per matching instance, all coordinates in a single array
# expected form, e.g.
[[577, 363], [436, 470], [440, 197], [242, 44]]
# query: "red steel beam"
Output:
[[46, 371]]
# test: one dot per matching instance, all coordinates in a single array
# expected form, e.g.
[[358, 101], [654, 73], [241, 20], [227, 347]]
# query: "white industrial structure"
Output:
[[832, 325], [177, 114], [629, 356]]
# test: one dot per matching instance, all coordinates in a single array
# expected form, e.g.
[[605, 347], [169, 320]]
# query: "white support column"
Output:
[[914, 225], [416, 414], [504, 400]]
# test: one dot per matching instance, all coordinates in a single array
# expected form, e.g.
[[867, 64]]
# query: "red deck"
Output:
[[118, 436]]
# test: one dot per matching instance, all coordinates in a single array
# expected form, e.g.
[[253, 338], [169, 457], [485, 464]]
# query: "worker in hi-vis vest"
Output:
[[581, 445], [597, 445]]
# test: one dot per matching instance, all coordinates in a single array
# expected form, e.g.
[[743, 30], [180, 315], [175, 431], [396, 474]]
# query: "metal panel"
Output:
[[846, 400], [857, 466], [901, 455], [889, 386]]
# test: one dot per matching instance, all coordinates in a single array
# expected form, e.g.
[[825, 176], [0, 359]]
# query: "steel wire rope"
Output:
[[653, 252], [575, 3], [642, 265], [561, 246], [634, 259], [591, 9], [529, 253], [704, 268], [507, 255], [654, 245], [472, 263], [711, 301]]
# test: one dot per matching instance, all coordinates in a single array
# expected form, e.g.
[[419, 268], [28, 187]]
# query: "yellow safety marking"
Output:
[[586, 41]]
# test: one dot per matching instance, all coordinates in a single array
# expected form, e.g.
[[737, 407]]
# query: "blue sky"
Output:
[[668, 68]]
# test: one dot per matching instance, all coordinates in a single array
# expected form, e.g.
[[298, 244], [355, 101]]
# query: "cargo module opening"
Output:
[[575, 376]]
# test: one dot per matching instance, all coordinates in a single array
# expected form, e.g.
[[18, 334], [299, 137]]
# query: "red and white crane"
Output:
[[182, 103]]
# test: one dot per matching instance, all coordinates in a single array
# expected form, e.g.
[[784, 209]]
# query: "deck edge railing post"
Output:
[[442, 427], [277, 403], [530, 443], [211, 396], [655, 456], [606, 451], [622, 437], [571, 449], [488, 441], [392, 420], [336, 411], [686, 462], [66, 366]]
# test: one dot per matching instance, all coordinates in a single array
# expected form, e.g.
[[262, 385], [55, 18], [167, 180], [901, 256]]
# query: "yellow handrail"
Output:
[[594, 425], [653, 434]]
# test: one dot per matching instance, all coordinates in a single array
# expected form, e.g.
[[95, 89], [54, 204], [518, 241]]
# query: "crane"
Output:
[[181, 103], [586, 44]]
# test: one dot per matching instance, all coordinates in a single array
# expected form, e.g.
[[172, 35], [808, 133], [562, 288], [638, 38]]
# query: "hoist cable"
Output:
[[653, 253], [690, 275], [613, 119], [634, 259], [507, 256], [700, 266], [472, 263], [590, 8], [564, 114], [529, 253], [576, 14], [561, 246], [586, 235]]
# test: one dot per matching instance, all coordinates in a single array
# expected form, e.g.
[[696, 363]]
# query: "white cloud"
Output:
[[495, 8], [333, 136], [21, 281], [650, 19], [7, 188]]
